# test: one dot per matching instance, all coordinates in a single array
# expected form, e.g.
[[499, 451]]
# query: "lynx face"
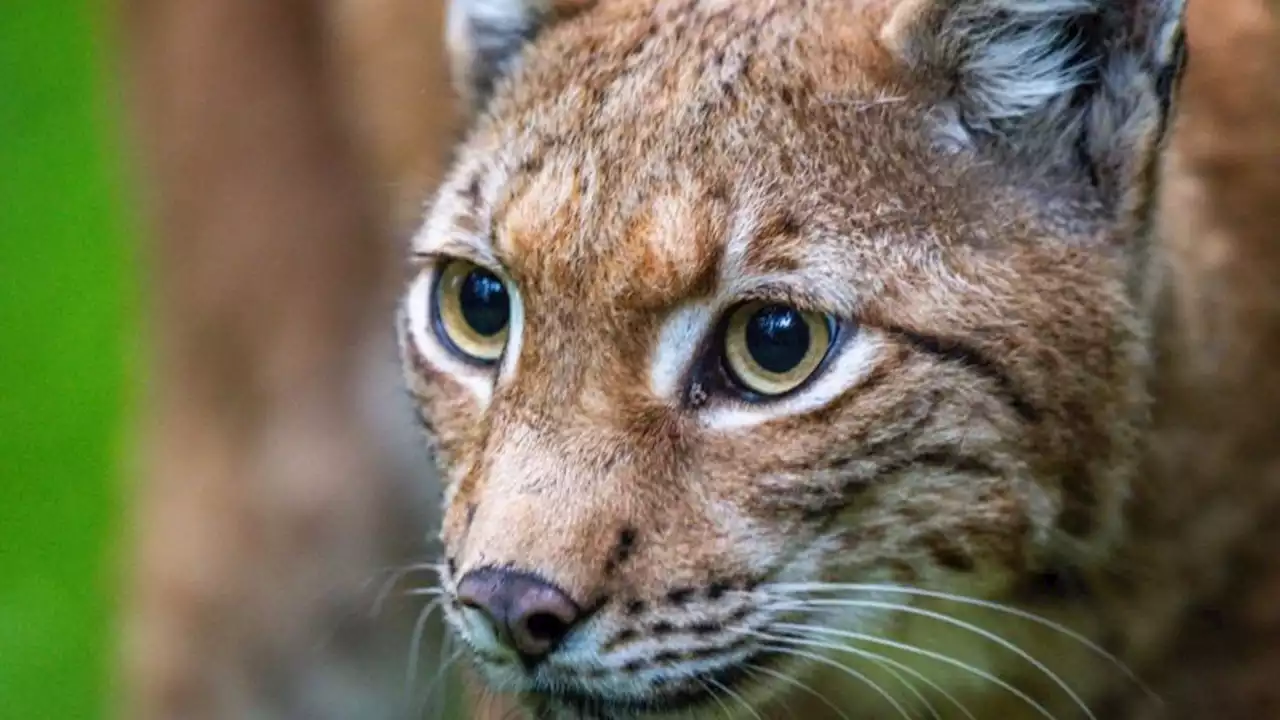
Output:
[[727, 304]]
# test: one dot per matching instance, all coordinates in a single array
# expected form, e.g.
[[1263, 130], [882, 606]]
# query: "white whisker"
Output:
[[441, 674], [395, 576], [716, 696], [945, 659], [903, 667], [788, 588], [910, 686], [736, 696], [893, 702], [888, 662], [796, 684], [415, 642], [969, 627], [446, 647], [889, 667]]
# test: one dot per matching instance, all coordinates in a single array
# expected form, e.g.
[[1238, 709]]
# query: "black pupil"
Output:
[[777, 338], [484, 303]]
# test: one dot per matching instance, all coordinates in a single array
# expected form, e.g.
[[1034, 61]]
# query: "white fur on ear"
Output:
[[1006, 61], [1013, 57], [486, 36], [483, 37], [1085, 87]]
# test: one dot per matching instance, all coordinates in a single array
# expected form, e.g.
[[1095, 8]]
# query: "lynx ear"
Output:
[[1057, 79], [485, 37]]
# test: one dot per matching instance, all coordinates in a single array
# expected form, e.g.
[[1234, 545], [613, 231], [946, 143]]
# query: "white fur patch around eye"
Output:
[[678, 342], [854, 362], [515, 337], [477, 380]]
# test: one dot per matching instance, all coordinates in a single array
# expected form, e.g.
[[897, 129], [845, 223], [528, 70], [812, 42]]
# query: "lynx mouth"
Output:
[[686, 696]]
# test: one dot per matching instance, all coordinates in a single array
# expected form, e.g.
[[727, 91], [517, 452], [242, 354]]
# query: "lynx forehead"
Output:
[[770, 340]]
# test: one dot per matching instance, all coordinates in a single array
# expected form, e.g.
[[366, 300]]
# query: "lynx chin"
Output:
[[799, 356]]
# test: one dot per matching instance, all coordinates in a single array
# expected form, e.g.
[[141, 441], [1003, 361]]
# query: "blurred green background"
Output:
[[66, 314]]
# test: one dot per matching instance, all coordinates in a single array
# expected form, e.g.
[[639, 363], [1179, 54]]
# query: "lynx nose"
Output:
[[529, 614]]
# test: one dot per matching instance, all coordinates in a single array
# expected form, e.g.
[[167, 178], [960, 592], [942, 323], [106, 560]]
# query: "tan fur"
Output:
[[1041, 416]]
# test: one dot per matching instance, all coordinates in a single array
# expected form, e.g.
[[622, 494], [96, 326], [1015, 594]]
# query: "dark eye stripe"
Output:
[[958, 352], [823, 503]]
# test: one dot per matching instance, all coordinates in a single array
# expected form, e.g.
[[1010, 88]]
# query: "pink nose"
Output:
[[529, 614]]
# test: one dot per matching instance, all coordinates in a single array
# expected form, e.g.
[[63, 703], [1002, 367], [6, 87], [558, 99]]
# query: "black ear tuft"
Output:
[[1169, 77]]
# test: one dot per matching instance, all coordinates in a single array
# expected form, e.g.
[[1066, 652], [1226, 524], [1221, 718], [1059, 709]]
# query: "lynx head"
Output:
[[743, 328]]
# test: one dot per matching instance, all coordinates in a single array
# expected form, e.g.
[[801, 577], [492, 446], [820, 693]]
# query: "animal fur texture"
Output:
[[275, 136], [1026, 462]]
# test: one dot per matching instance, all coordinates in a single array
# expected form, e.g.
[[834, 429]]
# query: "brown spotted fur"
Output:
[[1004, 445], [222, 627]]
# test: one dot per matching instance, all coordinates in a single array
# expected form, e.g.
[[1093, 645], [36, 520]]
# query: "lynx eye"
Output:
[[472, 311], [772, 349]]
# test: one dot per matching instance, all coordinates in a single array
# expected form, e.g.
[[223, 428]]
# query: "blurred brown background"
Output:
[[287, 148]]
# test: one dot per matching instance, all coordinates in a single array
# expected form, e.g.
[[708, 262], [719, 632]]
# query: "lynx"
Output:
[[820, 357]]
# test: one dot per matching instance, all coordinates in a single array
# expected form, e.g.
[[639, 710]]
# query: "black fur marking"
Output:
[[666, 657], [949, 555], [1056, 584], [472, 193], [703, 653], [945, 458], [953, 459], [626, 542], [678, 696], [622, 551], [621, 638], [958, 352], [707, 627], [1169, 79], [679, 596], [530, 165]]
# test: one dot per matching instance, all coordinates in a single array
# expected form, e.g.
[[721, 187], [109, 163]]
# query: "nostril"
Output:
[[545, 627], [528, 613], [541, 618]]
